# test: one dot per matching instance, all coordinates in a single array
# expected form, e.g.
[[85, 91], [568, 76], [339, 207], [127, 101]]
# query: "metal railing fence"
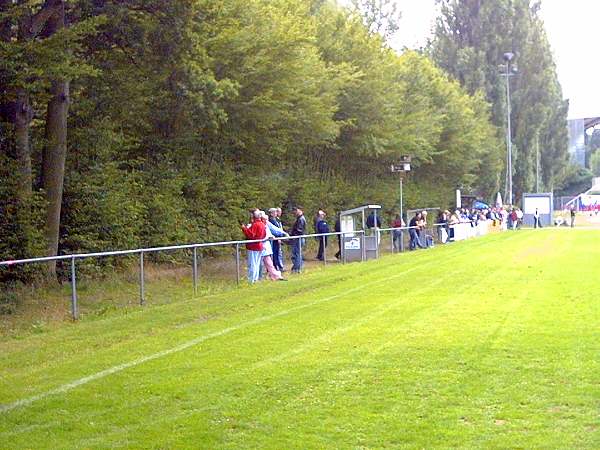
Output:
[[73, 258]]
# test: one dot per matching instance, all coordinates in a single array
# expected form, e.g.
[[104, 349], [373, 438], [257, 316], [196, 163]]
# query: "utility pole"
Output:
[[537, 163], [508, 72], [402, 168]]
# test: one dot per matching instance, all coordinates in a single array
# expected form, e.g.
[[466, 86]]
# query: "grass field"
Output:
[[491, 343]]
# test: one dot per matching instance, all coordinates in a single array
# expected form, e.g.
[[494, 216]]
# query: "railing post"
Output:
[[142, 292], [363, 252], [392, 233], [195, 271], [324, 249], [74, 308], [237, 262], [401, 241], [300, 252], [344, 259]]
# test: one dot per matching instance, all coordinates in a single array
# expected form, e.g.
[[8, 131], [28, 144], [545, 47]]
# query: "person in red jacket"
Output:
[[254, 231]]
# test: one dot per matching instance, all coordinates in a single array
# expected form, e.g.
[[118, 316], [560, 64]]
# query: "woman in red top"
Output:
[[254, 231]]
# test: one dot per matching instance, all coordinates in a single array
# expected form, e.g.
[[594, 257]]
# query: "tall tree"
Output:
[[470, 40], [38, 51], [379, 16], [55, 149], [22, 23]]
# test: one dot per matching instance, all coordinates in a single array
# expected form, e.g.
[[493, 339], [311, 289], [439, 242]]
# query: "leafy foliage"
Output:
[[185, 113], [470, 41]]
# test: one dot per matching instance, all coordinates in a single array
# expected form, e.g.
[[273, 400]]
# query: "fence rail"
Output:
[[73, 258]]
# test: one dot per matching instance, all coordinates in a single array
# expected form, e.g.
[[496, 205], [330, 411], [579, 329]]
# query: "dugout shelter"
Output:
[[357, 246], [543, 202]]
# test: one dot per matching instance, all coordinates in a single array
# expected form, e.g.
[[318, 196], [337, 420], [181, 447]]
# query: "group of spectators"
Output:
[[265, 257], [267, 254], [498, 215]]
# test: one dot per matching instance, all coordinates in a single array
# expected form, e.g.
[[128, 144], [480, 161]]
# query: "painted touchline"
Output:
[[119, 368]]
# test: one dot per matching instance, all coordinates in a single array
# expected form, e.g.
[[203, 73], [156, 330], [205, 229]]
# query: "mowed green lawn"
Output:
[[491, 343]]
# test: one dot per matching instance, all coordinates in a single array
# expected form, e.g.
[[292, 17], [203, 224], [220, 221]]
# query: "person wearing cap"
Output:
[[254, 231], [274, 214], [322, 228], [299, 229]]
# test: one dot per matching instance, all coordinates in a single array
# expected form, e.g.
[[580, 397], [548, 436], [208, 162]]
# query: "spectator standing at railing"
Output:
[[277, 247], [426, 240], [299, 229], [267, 253], [537, 223], [374, 222], [503, 217], [397, 235], [442, 220], [316, 220], [519, 218], [281, 258], [474, 218], [452, 222], [513, 219], [338, 228], [371, 222], [322, 228], [413, 231], [254, 231]]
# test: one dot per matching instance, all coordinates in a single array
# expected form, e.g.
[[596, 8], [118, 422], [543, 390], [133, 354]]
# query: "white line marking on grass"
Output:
[[104, 373], [119, 368]]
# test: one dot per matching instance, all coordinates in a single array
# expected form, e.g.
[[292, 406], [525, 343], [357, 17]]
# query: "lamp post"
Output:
[[508, 72], [401, 168]]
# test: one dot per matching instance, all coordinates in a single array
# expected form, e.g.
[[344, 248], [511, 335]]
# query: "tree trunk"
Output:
[[22, 122], [18, 111], [5, 24], [53, 165], [55, 150]]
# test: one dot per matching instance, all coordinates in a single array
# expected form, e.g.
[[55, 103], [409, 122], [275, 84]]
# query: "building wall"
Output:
[[577, 141]]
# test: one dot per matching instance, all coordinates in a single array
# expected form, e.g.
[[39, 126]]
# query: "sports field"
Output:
[[491, 343]]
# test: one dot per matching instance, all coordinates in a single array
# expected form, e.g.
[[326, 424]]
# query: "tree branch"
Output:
[[38, 20]]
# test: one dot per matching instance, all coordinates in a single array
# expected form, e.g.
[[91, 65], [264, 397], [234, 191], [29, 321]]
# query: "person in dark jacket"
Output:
[[299, 229], [338, 228], [322, 228], [371, 220]]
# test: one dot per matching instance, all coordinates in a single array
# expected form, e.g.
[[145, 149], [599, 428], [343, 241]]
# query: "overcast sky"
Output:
[[572, 30]]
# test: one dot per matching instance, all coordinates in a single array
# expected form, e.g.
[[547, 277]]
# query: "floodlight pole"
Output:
[[401, 169], [537, 163], [401, 215], [508, 57]]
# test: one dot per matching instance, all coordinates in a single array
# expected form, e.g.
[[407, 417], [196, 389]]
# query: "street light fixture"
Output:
[[401, 168], [507, 73]]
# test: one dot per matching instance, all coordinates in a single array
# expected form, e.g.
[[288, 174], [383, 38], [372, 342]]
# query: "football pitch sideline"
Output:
[[490, 343]]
